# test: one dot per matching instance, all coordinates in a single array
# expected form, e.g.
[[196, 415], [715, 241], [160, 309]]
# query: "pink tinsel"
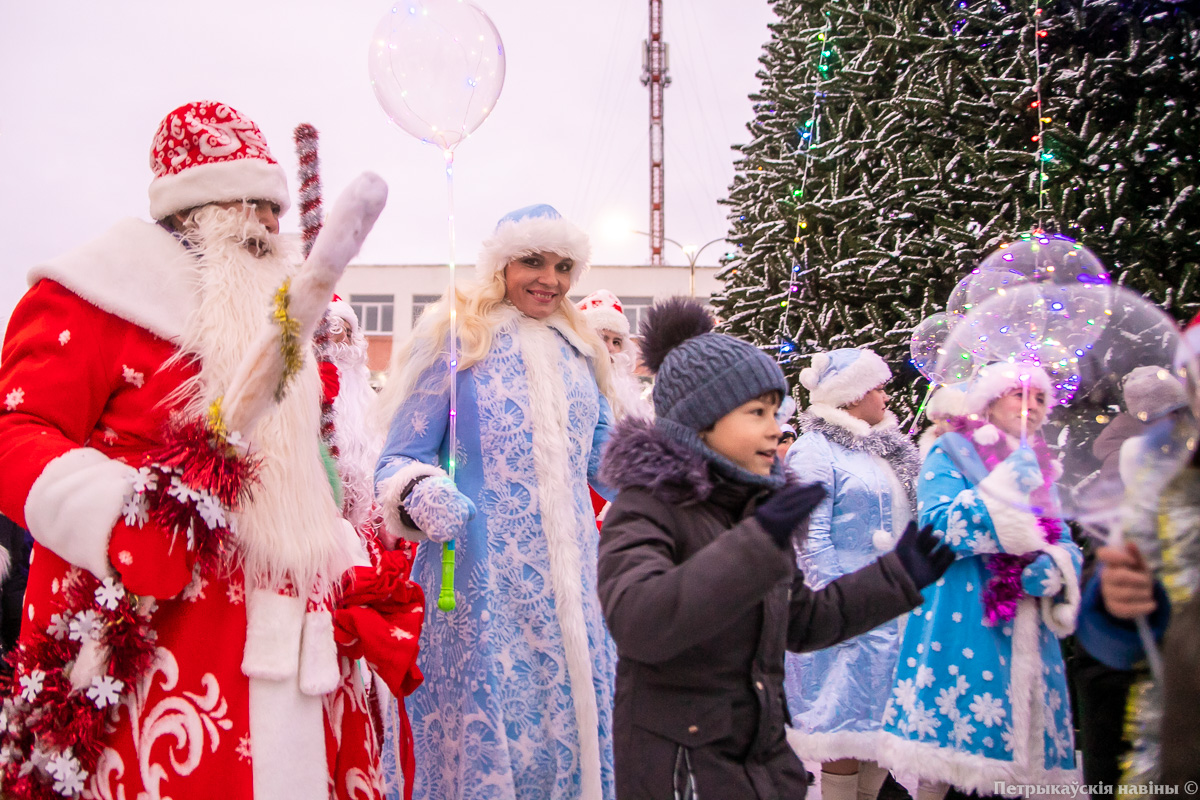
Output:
[[1003, 588]]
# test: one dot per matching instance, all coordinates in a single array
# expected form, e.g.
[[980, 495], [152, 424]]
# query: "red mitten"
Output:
[[380, 619], [150, 560]]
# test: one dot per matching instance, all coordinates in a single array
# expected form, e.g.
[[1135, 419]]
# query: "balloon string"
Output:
[[445, 600], [921, 408], [1024, 411]]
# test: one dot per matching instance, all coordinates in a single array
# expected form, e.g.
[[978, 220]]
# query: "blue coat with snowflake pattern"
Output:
[[517, 699], [974, 704]]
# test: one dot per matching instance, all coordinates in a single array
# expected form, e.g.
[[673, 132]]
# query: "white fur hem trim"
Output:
[[274, 625], [1016, 529], [562, 526], [388, 493], [967, 771], [815, 748], [319, 670], [219, 182], [518, 238], [287, 742], [5, 563], [73, 505]]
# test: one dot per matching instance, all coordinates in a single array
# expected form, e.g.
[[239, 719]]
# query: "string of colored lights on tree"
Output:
[[1042, 156], [808, 137]]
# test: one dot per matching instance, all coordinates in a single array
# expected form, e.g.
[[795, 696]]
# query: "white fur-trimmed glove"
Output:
[[439, 509]]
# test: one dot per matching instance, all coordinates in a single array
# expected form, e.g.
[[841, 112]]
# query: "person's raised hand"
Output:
[[1126, 585], [925, 557], [1027, 473], [783, 512]]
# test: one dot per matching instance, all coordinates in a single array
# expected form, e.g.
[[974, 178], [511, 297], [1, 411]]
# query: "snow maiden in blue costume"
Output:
[[851, 445], [517, 699], [981, 690]]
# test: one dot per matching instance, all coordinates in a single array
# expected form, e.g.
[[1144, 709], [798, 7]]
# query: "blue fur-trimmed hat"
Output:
[[843, 377], [529, 230]]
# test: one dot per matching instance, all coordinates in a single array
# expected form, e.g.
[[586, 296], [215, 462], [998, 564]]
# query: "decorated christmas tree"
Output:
[[896, 143]]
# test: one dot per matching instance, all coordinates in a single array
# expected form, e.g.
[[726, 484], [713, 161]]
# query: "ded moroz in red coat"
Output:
[[86, 389]]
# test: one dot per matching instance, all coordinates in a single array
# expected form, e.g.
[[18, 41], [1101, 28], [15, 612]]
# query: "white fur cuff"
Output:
[[319, 670], [1017, 529], [274, 626], [388, 492], [1060, 613], [74, 504]]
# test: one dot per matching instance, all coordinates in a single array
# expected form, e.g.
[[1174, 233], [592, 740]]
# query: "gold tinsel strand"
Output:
[[216, 421], [289, 334]]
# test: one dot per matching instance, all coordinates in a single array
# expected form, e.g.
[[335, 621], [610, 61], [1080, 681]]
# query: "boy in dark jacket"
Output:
[[697, 574]]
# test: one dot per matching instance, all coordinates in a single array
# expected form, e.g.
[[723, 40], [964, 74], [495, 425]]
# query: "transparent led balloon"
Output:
[[1055, 262], [927, 346], [437, 68], [1102, 425]]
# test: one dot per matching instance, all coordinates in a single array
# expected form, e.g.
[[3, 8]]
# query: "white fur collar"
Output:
[[135, 270], [856, 426], [557, 321]]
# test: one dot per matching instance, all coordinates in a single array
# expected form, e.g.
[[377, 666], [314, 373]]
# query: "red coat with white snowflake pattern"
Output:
[[85, 394]]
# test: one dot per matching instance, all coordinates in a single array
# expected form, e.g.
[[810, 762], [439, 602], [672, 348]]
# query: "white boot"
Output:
[[931, 790], [870, 778], [839, 787]]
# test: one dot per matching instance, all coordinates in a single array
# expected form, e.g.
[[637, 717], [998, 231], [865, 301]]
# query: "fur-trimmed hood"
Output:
[[640, 455], [884, 440]]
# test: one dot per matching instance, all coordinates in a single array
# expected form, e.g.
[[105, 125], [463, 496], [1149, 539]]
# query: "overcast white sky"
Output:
[[84, 84]]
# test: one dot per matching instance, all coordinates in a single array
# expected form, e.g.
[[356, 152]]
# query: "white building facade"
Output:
[[389, 298]]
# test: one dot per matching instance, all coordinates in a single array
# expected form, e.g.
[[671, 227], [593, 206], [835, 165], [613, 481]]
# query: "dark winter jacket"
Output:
[[702, 604]]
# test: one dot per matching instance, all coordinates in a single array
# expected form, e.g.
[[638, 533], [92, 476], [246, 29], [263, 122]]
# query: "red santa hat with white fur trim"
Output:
[[602, 310], [530, 230], [340, 308], [207, 152], [1001, 377]]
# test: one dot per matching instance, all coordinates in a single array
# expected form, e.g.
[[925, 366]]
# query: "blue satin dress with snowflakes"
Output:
[[836, 696], [974, 704], [526, 654]]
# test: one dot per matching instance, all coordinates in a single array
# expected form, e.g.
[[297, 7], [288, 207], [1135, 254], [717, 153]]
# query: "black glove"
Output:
[[787, 508], [925, 557]]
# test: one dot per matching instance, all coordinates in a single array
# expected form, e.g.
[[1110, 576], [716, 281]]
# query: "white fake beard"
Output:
[[356, 440], [290, 531], [627, 389]]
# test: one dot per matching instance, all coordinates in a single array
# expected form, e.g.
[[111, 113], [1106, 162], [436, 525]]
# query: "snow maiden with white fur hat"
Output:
[[981, 690], [518, 692], [868, 466]]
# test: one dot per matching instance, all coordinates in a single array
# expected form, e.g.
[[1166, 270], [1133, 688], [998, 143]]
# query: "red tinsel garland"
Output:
[[190, 485]]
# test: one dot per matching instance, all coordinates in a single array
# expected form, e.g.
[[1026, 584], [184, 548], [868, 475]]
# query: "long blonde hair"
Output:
[[482, 308]]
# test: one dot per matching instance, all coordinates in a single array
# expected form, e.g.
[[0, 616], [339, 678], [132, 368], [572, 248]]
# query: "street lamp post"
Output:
[[692, 253]]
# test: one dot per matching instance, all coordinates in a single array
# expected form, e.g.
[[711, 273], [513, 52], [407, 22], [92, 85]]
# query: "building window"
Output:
[[422, 302], [635, 309], [375, 312]]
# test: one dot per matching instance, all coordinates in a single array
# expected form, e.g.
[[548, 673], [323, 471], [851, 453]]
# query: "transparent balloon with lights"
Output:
[[437, 68], [1118, 375]]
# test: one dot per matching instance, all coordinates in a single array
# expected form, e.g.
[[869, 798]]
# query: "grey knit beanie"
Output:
[[700, 376]]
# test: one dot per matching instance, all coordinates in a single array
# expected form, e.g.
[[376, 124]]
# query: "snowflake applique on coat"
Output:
[[132, 376], [14, 399]]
